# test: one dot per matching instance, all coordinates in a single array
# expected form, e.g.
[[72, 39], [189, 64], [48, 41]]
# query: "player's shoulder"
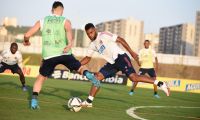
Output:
[[153, 50], [105, 33], [5, 51], [141, 50], [18, 53]]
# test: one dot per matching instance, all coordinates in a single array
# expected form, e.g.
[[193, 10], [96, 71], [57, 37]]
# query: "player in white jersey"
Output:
[[12, 59], [106, 44], [146, 58]]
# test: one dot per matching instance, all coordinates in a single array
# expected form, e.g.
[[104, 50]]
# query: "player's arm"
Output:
[[85, 60], [1, 57], [68, 29], [127, 47], [2, 54], [31, 32], [156, 64]]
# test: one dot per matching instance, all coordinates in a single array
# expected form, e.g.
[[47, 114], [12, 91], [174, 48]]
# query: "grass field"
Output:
[[110, 104]]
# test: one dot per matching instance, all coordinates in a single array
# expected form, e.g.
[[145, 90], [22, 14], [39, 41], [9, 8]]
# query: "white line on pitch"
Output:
[[131, 111]]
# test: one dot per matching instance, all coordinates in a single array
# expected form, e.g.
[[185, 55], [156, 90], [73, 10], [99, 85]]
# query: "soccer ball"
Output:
[[74, 104]]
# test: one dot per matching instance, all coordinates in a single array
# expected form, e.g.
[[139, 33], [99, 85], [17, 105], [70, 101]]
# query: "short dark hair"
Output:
[[14, 44], [57, 4], [88, 26], [147, 41]]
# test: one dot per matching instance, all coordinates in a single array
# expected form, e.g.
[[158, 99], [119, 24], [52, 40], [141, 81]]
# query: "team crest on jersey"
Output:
[[101, 48], [101, 42], [48, 31]]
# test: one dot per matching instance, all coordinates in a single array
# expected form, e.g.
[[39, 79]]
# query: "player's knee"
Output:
[[99, 76], [133, 77]]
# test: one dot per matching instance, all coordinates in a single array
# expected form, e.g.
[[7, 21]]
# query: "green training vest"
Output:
[[54, 38]]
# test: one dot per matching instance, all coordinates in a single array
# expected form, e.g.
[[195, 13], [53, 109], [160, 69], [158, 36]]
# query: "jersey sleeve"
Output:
[[90, 50], [108, 36], [41, 24], [154, 53]]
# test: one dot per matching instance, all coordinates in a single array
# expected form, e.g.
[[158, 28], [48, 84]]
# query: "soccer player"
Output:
[[146, 56], [12, 59], [56, 48], [106, 44]]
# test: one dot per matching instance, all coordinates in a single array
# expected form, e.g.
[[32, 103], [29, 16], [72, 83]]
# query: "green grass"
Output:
[[110, 104]]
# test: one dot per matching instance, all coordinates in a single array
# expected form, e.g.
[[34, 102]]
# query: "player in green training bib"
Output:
[[56, 48]]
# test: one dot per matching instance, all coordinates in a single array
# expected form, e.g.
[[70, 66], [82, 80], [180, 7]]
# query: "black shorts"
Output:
[[122, 63], [151, 72], [14, 68], [47, 67]]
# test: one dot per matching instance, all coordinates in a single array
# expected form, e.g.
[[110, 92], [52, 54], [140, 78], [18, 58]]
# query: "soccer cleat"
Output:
[[165, 88], [131, 93], [34, 104], [93, 79], [24, 88], [156, 96], [86, 104]]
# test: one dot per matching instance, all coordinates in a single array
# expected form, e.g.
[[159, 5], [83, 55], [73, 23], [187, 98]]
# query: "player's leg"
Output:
[[73, 64], [90, 76], [46, 69], [36, 90], [21, 77], [152, 73], [141, 78], [107, 71], [134, 85], [2, 67], [124, 64], [93, 91]]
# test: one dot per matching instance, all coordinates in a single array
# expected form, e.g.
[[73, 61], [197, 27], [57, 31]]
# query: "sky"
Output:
[[154, 13]]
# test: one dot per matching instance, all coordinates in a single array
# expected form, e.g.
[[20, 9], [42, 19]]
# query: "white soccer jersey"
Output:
[[105, 44], [11, 59]]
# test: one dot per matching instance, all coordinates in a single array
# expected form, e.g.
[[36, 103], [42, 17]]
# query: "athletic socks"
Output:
[[34, 95], [131, 90], [158, 83], [90, 99]]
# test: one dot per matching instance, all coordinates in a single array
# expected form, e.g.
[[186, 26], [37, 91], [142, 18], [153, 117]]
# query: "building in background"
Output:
[[154, 39], [80, 38], [197, 35], [10, 22], [130, 29], [177, 39]]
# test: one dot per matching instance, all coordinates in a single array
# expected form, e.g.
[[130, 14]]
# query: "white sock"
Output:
[[91, 98], [156, 82]]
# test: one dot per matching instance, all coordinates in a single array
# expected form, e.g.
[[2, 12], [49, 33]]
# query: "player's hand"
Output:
[[26, 43]]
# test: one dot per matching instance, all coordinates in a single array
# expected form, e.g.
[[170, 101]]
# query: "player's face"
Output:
[[13, 49], [146, 44], [92, 34], [58, 10]]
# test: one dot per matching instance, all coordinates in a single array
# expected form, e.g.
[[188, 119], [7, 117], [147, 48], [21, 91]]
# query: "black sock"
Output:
[[131, 90], [160, 83], [88, 100], [155, 93], [23, 85], [84, 72], [34, 95]]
